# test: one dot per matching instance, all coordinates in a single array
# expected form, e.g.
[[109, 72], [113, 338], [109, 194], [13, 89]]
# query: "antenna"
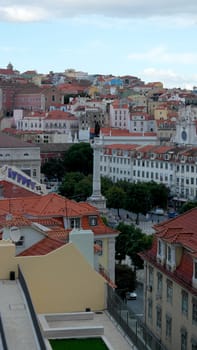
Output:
[[15, 234]]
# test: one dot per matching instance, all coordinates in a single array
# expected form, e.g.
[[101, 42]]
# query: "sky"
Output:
[[155, 40]]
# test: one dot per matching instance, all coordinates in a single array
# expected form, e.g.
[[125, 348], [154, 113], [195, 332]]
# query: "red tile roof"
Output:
[[45, 246], [123, 132], [181, 230], [53, 206], [9, 190], [15, 221], [60, 115]]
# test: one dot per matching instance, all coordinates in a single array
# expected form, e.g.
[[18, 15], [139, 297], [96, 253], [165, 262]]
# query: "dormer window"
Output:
[[171, 259], [169, 254], [194, 278], [160, 251], [93, 220], [75, 223]]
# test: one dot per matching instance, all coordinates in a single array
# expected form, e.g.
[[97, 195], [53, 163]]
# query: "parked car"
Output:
[[159, 211], [131, 295]]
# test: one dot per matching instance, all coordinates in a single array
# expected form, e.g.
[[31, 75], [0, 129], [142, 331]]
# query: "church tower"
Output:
[[186, 126]]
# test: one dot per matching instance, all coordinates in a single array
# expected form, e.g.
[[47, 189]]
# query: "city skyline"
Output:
[[153, 40]]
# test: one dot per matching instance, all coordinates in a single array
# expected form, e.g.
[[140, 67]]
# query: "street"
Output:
[[137, 306], [146, 223]]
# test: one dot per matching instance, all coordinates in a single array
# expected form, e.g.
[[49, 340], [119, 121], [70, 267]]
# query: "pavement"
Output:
[[19, 330], [17, 324]]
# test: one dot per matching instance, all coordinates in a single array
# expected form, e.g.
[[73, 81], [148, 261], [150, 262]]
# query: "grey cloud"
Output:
[[24, 10]]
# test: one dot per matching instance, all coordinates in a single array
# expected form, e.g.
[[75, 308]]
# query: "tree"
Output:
[[125, 279], [115, 198], [187, 206], [79, 158], [131, 241], [83, 188], [67, 187], [159, 194], [54, 168], [138, 199], [106, 183]]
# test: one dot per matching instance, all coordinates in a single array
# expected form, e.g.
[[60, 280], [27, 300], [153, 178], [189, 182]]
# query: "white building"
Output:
[[142, 122], [55, 121], [174, 166], [119, 115], [25, 156]]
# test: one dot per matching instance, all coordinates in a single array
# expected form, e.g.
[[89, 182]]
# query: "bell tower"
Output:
[[186, 126]]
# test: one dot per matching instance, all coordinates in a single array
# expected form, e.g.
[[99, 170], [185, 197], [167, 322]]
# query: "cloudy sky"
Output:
[[152, 39]]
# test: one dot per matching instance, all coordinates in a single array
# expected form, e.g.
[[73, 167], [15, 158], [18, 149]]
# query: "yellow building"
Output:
[[170, 307], [60, 281]]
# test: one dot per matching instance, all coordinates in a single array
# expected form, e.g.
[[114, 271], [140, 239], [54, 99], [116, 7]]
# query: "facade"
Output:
[[119, 115], [170, 309], [53, 122], [142, 122], [54, 216], [58, 276], [174, 166], [25, 156]]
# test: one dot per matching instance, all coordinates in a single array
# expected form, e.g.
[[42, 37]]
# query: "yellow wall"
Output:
[[103, 259], [62, 281], [161, 113], [7, 259]]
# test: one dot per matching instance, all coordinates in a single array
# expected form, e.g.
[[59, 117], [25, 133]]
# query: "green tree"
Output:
[[115, 198], [106, 183], [138, 199], [159, 194], [187, 206], [125, 279], [54, 168], [83, 188], [67, 187], [79, 158], [131, 241]]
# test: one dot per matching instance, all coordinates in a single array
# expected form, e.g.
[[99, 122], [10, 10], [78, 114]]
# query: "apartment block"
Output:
[[170, 297]]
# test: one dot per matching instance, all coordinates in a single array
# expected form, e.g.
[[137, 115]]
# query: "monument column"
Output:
[[96, 198]]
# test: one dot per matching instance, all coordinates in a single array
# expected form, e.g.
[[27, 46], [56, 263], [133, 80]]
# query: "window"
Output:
[[75, 222], [34, 172], [183, 339], [194, 343], [158, 317], [169, 291], [99, 242], [194, 310], [93, 220], [150, 276], [159, 248], [168, 326], [169, 253], [159, 284], [150, 309], [184, 303], [195, 270]]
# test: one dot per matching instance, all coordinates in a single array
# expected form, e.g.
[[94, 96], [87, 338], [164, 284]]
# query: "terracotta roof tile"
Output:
[[9, 190], [43, 247]]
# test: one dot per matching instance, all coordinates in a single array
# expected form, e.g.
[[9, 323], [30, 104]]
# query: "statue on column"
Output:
[[97, 129]]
